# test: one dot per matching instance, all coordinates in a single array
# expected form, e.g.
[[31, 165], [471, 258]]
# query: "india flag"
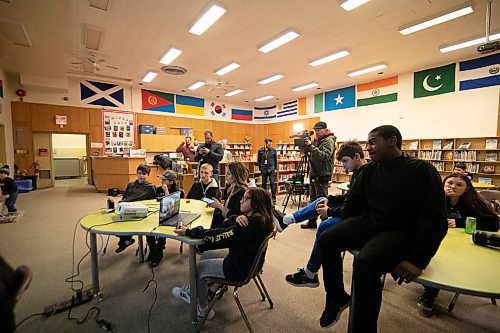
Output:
[[376, 92]]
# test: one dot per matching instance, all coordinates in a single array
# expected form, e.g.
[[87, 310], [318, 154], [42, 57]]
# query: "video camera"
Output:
[[300, 138]]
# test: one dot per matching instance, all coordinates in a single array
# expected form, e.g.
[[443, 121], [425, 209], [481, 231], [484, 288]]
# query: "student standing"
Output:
[[210, 152], [187, 149], [395, 214], [267, 160]]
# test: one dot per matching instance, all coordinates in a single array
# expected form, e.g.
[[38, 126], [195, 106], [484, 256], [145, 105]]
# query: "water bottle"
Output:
[[111, 204], [470, 225]]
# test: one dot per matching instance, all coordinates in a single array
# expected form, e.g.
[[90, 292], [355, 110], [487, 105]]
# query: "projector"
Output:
[[132, 210], [489, 47]]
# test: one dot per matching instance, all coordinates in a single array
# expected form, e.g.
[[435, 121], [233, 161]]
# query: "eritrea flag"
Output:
[[157, 101]]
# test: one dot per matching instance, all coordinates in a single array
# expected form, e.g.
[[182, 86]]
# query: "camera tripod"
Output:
[[296, 185]]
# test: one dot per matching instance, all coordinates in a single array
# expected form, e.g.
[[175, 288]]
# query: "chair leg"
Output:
[[243, 314], [493, 301], [181, 248], [451, 306], [210, 305], [271, 304], [260, 289]]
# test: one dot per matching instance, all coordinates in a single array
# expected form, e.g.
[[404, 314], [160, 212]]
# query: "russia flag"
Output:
[[480, 73], [238, 114]]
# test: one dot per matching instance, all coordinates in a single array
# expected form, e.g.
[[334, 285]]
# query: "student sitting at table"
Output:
[[157, 244], [229, 252], [206, 187], [461, 168], [462, 201], [236, 185], [140, 189]]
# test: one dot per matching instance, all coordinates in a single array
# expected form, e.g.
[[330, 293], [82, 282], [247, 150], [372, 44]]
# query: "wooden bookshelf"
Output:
[[481, 159]]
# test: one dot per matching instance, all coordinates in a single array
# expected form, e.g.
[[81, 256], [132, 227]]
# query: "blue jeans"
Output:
[[314, 262], [307, 212], [10, 202]]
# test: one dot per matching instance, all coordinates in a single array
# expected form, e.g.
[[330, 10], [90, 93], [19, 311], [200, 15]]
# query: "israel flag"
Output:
[[479, 73], [264, 112]]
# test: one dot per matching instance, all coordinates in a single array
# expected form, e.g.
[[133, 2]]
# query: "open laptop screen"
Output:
[[170, 206]]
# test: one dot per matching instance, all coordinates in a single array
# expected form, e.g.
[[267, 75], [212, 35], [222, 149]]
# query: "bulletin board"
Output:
[[118, 131]]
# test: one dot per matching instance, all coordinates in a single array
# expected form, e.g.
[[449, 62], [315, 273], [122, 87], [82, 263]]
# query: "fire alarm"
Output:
[[21, 93]]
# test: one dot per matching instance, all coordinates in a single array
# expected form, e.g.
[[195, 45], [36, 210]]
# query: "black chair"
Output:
[[254, 275]]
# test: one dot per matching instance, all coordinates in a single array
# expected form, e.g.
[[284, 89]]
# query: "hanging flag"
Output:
[[434, 81], [1, 88], [157, 101], [238, 114], [479, 73], [288, 109], [217, 110], [100, 93], [342, 98], [302, 106], [376, 92], [264, 112], [189, 105], [318, 103]]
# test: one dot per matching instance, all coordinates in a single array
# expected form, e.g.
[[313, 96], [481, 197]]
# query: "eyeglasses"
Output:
[[246, 198]]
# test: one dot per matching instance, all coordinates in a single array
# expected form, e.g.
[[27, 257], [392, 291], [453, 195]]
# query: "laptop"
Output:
[[170, 214]]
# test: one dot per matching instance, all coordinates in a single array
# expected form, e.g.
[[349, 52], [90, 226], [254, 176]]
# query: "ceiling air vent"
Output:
[[174, 70]]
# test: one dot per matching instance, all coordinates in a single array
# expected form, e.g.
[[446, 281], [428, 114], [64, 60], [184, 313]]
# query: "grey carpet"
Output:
[[43, 239]]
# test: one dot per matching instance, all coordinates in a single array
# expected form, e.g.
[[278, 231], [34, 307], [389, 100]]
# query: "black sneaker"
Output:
[[331, 313], [300, 279], [426, 301], [156, 258], [278, 222], [309, 225], [123, 245]]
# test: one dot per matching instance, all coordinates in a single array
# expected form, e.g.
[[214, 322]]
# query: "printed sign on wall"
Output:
[[118, 131]]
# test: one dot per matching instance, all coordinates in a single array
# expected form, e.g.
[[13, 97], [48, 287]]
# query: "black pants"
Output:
[[380, 252], [318, 188], [152, 241], [272, 182]]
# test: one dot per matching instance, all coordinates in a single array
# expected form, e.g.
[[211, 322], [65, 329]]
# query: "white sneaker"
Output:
[[201, 313], [183, 293]]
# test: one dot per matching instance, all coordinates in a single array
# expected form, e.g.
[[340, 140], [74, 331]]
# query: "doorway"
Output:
[[69, 153]]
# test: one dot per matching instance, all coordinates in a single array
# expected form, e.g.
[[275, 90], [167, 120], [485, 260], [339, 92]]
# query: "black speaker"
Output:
[[486, 238]]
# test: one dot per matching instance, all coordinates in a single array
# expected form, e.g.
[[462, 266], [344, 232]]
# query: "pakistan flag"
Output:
[[434, 81]]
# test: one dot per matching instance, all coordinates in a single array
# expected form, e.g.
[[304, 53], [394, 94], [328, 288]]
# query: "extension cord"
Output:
[[73, 302]]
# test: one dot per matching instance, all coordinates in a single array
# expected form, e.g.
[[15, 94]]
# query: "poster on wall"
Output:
[[118, 131]]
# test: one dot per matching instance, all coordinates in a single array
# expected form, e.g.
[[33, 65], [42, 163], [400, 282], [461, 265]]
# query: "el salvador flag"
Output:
[[342, 98], [480, 73]]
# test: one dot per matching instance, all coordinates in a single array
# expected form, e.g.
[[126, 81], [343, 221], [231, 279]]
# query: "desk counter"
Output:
[[108, 172]]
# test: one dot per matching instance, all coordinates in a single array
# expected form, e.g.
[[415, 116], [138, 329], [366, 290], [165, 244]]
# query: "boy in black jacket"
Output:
[[9, 189], [141, 189], [206, 187]]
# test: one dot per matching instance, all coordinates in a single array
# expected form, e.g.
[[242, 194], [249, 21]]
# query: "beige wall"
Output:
[[6, 120]]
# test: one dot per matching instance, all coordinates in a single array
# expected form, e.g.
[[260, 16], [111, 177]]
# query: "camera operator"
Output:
[[210, 152], [321, 152]]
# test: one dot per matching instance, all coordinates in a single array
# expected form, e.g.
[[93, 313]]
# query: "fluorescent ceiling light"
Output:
[[367, 70], [271, 79], [234, 92], [477, 41], [328, 58], [411, 28], [260, 99], [232, 66], [351, 4], [170, 56], [196, 85], [150, 76], [206, 20], [304, 87], [278, 41]]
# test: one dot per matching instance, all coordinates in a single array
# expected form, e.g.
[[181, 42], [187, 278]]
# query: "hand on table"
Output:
[[452, 223], [215, 204], [180, 230], [405, 271], [242, 220]]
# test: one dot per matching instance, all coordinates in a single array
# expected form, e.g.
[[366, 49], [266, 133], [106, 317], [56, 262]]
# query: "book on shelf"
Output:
[[436, 144], [413, 145], [464, 145], [490, 157], [448, 155], [491, 144], [488, 168], [448, 144], [484, 180]]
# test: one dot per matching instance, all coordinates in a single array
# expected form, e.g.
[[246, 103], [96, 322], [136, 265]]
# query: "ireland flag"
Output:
[[376, 92], [434, 81]]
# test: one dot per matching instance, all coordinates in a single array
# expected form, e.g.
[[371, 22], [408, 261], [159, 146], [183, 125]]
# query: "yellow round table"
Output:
[[111, 224]]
